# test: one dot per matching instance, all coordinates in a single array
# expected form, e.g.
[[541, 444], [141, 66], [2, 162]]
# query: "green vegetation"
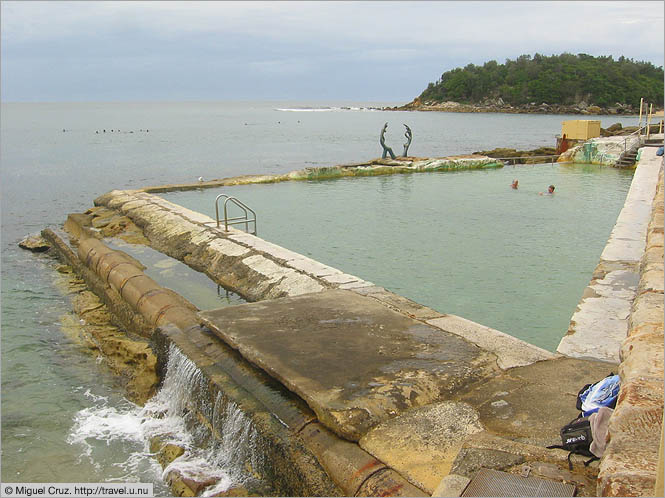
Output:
[[560, 79]]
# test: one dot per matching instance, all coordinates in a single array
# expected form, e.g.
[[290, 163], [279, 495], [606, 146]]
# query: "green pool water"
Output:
[[463, 243]]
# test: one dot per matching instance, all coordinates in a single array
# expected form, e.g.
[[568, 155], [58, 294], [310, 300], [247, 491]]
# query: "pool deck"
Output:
[[399, 399]]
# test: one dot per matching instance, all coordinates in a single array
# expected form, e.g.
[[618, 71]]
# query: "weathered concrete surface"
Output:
[[600, 321], [273, 412], [601, 150], [530, 404], [630, 465], [519, 411], [510, 351], [422, 443], [354, 361]]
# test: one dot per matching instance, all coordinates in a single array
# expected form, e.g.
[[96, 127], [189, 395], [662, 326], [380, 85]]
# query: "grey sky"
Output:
[[356, 51]]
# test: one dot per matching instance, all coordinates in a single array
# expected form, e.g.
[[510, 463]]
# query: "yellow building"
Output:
[[580, 129]]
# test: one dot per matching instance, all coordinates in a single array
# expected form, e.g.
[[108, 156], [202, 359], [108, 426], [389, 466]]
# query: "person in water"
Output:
[[550, 191], [514, 184]]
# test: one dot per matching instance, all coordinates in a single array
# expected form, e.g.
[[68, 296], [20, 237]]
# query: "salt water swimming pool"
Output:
[[462, 243]]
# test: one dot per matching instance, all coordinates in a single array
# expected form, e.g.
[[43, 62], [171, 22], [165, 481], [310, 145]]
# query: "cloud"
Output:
[[413, 41]]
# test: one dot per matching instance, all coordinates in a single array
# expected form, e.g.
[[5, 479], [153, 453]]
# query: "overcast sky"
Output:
[[348, 51]]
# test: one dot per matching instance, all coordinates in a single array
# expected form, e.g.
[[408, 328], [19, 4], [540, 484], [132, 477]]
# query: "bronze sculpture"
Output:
[[386, 150], [408, 136]]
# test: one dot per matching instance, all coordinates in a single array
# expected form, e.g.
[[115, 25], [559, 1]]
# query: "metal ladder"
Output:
[[238, 219]]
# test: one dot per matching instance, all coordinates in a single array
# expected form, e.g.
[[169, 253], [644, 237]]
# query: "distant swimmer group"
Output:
[[550, 189], [118, 131]]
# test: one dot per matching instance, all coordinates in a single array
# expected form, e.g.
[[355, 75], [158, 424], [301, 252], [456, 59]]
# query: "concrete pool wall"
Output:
[[600, 322], [484, 406]]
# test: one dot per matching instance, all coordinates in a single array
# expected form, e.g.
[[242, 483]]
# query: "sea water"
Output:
[[55, 158]]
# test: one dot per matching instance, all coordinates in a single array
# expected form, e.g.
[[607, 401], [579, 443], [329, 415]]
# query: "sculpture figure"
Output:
[[408, 136], [386, 150]]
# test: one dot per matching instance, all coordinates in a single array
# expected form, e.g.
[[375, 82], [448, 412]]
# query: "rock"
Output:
[[237, 491], [34, 243], [165, 452]]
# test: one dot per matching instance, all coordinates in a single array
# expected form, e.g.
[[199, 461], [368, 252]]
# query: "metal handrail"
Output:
[[551, 156], [238, 219], [637, 132]]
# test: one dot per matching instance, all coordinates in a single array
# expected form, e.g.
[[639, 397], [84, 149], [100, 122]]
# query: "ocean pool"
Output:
[[462, 243]]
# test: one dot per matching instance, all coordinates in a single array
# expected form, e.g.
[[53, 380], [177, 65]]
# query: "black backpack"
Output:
[[576, 438]]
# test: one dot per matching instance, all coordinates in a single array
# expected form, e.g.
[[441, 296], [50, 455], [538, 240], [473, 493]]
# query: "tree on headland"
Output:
[[558, 79]]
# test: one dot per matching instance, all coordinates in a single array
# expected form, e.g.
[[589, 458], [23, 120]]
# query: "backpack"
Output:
[[602, 393], [577, 435]]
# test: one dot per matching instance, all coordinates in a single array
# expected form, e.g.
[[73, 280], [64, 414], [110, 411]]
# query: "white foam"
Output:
[[308, 109], [165, 415], [323, 109]]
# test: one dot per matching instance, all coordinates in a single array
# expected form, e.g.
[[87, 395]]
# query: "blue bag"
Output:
[[602, 393]]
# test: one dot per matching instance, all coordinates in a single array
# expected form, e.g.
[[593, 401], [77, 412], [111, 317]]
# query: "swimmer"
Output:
[[514, 184], [550, 191]]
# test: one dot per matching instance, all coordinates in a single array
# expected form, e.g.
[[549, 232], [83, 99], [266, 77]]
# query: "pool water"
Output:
[[168, 272], [462, 243]]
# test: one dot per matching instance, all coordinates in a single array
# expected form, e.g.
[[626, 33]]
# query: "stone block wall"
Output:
[[630, 464]]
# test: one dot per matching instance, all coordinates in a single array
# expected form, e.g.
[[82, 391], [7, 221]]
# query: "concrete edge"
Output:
[[632, 462], [510, 351], [593, 331]]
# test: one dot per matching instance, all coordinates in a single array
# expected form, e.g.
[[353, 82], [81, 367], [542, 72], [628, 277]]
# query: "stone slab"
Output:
[[451, 485], [422, 444], [353, 360], [600, 322]]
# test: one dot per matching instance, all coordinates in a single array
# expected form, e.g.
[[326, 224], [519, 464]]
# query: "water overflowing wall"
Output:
[[207, 458], [221, 453], [247, 415], [207, 389]]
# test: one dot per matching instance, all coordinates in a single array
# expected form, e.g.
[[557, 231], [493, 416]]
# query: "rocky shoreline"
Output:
[[498, 105]]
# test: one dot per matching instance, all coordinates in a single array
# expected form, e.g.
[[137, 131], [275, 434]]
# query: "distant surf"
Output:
[[325, 109]]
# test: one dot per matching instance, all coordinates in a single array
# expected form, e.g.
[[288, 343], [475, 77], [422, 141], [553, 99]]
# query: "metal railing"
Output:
[[632, 137], [238, 220], [552, 158]]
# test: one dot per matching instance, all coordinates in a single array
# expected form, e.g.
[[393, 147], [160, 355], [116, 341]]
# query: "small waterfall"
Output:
[[220, 453]]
